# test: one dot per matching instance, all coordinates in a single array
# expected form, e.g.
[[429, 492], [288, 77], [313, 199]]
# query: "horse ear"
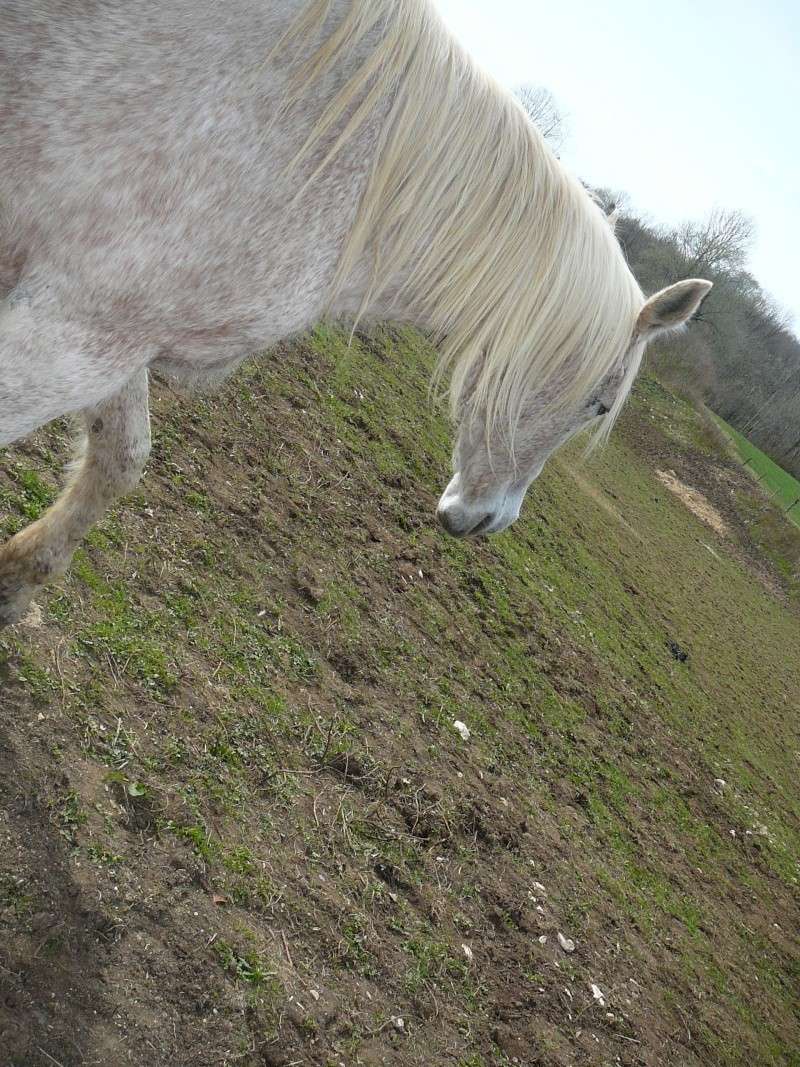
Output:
[[613, 218], [672, 307]]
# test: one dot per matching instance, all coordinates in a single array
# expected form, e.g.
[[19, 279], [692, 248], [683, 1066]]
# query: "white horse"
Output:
[[183, 183]]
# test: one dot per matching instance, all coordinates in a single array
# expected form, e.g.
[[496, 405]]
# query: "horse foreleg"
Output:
[[117, 447]]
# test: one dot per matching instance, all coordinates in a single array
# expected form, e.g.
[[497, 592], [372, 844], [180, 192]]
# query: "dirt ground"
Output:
[[695, 501], [239, 826]]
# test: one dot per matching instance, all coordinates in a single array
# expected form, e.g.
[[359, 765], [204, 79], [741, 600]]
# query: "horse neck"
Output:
[[458, 183], [400, 143]]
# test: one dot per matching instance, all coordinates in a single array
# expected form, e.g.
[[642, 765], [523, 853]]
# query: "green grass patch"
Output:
[[782, 486]]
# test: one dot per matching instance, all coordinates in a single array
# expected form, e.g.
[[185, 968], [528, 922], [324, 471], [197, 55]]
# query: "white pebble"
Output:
[[566, 942], [463, 729]]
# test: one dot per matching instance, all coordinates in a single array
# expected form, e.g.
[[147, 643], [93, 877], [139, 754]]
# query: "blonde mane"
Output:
[[505, 256]]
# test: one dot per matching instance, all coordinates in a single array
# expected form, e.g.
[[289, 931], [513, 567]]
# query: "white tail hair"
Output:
[[504, 254]]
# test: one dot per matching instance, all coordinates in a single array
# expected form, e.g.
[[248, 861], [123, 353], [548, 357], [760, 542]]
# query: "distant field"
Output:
[[784, 488]]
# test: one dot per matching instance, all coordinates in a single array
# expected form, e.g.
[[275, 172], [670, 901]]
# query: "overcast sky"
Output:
[[686, 106]]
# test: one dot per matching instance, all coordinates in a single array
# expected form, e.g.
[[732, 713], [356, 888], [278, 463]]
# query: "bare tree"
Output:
[[543, 111], [774, 319], [721, 242], [611, 200]]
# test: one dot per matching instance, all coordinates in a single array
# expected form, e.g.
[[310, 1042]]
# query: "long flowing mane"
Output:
[[507, 257]]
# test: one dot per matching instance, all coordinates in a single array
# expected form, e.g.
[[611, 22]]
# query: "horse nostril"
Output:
[[446, 521], [458, 524], [484, 524]]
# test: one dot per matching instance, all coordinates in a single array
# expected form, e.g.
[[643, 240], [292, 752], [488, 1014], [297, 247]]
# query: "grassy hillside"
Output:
[[781, 486], [238, 825]]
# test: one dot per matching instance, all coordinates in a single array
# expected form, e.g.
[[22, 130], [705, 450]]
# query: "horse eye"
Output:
[[597, 407]]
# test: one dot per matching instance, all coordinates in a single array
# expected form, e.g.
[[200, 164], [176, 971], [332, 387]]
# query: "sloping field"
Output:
[[781, 486], [238, 825]]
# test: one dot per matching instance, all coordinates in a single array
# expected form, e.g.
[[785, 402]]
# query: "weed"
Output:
[[246, 965]]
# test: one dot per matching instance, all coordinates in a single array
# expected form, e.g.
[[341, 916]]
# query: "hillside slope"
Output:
[[238, 826]]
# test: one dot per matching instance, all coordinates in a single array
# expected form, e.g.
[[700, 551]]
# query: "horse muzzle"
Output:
[[478, 518]]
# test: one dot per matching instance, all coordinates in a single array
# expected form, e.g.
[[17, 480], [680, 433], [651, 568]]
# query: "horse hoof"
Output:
[[13, 607], [8, 618], [9, 615]]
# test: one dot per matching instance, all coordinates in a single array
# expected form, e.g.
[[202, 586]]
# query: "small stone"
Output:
[[33, 617], [566, 942], [720, 783], [467, 952], [462, 729], [399, 1023], [543, 939], [598, 994]]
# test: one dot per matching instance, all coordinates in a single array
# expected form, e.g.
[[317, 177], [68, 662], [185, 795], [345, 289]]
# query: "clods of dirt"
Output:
[[678, 653]]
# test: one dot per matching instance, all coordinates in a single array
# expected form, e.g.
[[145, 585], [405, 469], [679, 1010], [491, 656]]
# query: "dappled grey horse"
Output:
[[183, 183]]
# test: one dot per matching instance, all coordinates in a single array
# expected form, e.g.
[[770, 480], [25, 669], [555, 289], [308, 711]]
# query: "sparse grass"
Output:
[[268, 684], [353, 949], [32, 495], [432, 965], [39, 681], [14, 894], [67, 814]]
